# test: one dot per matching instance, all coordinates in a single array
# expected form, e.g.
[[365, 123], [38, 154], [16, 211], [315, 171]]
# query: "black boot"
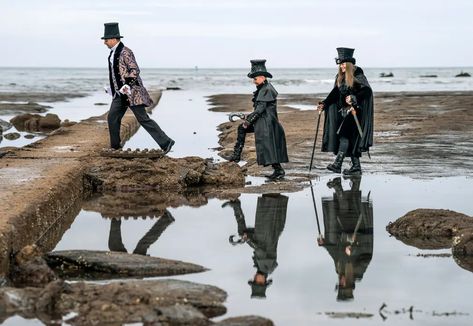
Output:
[[336, 166], [278, 172], [355, 167], [240, 143]]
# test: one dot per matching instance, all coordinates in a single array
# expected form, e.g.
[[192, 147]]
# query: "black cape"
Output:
[[270, 139], [333, 117]]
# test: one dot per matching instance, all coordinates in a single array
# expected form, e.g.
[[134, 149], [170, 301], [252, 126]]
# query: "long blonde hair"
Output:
[[348, 75]]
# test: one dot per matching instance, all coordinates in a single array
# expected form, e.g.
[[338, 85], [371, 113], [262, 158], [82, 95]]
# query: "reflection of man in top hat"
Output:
[[263, 238], [270, 140], [115, 242], [128, 91], [348, 221]]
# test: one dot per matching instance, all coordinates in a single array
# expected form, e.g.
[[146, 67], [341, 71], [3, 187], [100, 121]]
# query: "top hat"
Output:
[[111, 31], [345, 55], [258, 69]]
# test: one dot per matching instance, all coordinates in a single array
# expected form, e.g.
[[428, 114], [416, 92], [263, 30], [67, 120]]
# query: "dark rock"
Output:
[[12, 136], [30, 269], [245, 321], [165, 302], [29, 136], [463, 74], [35, 122], [108, 265], [428, 76], [100, 104], [383, 74], [173, 88], [20, 108], [4, 126], [112, 174], [429, 223]]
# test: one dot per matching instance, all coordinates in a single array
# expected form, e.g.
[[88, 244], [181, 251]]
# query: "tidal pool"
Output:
[[311, 281]]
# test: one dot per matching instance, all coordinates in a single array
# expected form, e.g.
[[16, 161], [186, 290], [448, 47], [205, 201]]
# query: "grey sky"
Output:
[[227, 33]]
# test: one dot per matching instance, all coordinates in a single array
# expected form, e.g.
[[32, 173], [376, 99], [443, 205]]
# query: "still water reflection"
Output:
[[348, 236], [263, 238], [300, 253]]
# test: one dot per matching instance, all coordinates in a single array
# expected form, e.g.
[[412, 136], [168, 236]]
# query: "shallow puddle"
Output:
[[305, 286]]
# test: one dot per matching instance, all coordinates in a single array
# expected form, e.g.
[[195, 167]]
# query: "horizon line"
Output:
[[233, 68]]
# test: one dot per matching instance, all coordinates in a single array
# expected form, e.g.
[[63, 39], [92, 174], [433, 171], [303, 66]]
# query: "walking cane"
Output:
[[315, 141], [320, 238]]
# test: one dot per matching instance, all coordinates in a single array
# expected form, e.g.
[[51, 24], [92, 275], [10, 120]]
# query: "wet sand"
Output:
[[417, 134]]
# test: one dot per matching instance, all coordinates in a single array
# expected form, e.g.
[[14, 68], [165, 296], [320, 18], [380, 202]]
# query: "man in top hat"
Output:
[[270, 139], [348, 125], [128, 91]]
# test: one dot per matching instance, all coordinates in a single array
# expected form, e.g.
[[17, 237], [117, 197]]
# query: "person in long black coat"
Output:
[[270, 139], [270, 219], [351, 95], [348, 224]]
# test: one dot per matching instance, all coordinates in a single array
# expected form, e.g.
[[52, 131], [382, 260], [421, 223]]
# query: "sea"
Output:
[[195, 84]]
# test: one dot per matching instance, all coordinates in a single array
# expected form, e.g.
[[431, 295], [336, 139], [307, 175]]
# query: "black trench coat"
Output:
[[333, 117], [270, 139]]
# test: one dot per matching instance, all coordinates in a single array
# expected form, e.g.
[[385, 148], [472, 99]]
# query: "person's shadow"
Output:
[[348, 234], [270, 219], [115, 242]]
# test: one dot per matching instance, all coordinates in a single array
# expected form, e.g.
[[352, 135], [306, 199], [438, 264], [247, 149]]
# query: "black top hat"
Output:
[[258, 69], [345, 55], [111, 31]]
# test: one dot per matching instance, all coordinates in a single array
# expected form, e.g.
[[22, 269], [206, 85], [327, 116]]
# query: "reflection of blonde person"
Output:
[[350, 97], [348, 234], [128, 91], [270, 139]]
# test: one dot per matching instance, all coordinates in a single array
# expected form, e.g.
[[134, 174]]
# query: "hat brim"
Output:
[[110, 37], [339, 61], [260, 73]]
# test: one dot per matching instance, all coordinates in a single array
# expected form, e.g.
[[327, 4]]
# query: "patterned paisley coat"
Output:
[[126, 71]]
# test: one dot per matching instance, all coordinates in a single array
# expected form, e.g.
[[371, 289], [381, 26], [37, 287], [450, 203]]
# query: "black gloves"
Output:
[[252, 117]]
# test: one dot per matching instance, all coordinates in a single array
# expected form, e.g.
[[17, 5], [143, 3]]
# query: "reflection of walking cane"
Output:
[[315, 141], [320, 238]]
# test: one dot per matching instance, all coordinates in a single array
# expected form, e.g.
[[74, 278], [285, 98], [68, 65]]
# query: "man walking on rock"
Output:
[[127, 90]]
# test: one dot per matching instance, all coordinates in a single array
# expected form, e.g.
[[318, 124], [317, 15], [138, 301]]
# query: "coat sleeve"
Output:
[[132, 69]]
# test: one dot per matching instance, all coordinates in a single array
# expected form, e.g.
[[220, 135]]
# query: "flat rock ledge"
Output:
[[84, 264], [164, 302], [176, 174], [436, 229]]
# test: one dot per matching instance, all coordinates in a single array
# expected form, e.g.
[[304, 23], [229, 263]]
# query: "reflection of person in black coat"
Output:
[[263, 238], [270, 139], [115, 242], [348, 221], [351, 96]]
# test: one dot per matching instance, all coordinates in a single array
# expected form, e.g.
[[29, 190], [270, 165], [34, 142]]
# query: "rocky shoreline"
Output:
[[58, 175]]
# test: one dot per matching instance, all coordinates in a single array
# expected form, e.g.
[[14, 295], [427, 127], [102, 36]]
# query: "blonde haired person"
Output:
[[350, 100]]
